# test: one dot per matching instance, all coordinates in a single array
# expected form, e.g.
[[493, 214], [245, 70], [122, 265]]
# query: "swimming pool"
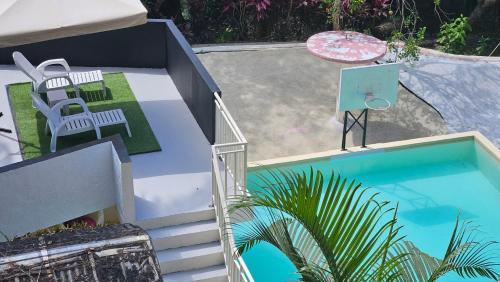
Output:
[[432, 181]]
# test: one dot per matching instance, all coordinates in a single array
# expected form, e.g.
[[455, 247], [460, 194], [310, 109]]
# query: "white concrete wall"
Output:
[[123, 189], [64, 187]]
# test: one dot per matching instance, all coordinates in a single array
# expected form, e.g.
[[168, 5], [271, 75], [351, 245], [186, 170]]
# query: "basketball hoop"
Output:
[[371, 99], [363, 89]]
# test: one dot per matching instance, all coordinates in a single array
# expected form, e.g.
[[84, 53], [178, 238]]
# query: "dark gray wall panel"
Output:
[[194, 83], [140, 46]]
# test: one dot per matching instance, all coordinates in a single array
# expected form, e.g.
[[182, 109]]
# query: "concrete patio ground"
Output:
[[284, 101]]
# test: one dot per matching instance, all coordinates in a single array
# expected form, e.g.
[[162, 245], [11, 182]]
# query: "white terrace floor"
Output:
[[175, 180]]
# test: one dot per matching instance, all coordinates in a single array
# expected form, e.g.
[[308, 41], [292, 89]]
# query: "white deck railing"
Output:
[[229, 173], [231, 148]]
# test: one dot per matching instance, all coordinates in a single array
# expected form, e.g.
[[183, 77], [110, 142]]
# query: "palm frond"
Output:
[[333, 230], [464, 255], [468, 257], [277, 229], [416, 266], [343, 220]]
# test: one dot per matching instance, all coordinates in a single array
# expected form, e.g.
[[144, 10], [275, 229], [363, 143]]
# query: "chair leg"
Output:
[[128, 129], [98, 132], [77, 91], [47, 127], [103, 89], [53, 143]]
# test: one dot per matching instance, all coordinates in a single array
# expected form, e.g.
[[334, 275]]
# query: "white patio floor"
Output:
[[172, 181]]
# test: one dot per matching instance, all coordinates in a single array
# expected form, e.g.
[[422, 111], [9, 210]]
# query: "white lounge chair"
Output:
[[72, 124], [59, 80]]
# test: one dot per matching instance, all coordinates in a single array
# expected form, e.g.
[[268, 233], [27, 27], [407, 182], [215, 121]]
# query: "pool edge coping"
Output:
[[395, 145]]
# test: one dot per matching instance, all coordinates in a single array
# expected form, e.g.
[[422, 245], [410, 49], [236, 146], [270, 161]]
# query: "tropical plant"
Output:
[[482, 46], [334, 10], [257, 18], [405, 47], [331, 229], [403, 43], [453, 35], [465, 256], [356, 14]]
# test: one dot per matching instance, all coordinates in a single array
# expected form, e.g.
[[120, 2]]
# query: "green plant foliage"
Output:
[[331, 229], [453, 35], [226, 35], [482, 46], [464, 256], [333, 10], [403, 43], [355, 5], [405, 47]]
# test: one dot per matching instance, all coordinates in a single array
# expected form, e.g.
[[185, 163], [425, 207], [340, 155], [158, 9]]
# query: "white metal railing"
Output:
[[231, 148], [229, 172]]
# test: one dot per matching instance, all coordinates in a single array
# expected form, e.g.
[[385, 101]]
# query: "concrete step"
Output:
[[216, 273], [190, 257], [176, 219], [182, 235]]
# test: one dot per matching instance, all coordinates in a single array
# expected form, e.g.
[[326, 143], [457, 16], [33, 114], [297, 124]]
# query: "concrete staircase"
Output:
[[188, 246]]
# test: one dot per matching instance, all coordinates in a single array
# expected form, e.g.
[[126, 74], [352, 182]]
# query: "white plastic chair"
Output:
[[43, 82], [58, 80], [60, 125], [65, 125]]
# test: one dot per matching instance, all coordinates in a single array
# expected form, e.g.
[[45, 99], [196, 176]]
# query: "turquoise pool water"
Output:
[[432, 183]]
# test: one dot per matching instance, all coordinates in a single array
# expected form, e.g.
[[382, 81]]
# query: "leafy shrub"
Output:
[[208, 21], [453, 35], [407, 51], [482, 46], [251, 20], [225, 35], [356, 14], [367, 14]]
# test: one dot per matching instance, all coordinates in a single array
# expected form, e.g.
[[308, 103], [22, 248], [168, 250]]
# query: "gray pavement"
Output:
[[284, 102], [466, 93]]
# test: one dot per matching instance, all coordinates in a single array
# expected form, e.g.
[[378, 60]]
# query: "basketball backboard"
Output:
[[372, 87]]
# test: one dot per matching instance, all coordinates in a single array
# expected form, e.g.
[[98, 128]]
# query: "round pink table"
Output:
[[348, 47]]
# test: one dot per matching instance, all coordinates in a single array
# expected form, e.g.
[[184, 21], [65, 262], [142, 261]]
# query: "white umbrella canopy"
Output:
[[28, 21]]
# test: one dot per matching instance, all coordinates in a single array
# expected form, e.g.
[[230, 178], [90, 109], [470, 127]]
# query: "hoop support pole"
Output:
[[346, 129], [4, 129], [363, 144]]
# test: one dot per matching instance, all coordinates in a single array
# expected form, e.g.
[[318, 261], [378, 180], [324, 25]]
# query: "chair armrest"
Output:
[[70, 119], [75, 101], [61, 62], [64, 76]]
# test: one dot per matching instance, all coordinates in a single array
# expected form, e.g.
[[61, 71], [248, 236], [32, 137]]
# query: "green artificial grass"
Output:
[[30, 123]]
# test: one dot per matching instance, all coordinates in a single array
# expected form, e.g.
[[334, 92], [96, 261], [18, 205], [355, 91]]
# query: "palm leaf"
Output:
[[464, 255], [345, 224], [277, 229]]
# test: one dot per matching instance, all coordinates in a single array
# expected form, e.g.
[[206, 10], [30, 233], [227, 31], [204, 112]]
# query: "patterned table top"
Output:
[[346, 47]]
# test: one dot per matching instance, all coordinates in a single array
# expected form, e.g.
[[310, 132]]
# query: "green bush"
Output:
[[453, 35], [482, 46], [409, 50]]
